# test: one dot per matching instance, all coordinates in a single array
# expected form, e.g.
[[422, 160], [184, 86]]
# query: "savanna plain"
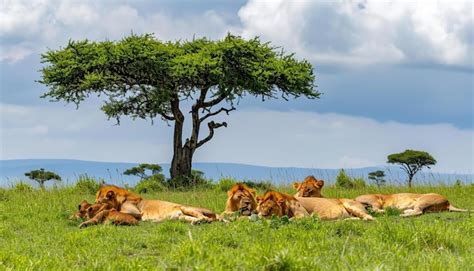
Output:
[[37, 234]]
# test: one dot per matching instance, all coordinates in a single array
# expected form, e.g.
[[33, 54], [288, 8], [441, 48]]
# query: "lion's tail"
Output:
[[451, 208]]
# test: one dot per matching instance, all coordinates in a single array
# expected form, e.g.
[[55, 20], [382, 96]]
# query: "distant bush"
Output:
[[358, 183], [196, 180], [22, 187], [346, 182], [155, 183], [458, 183], [343, 180], [225, 184], [265, 185], [86, 185]]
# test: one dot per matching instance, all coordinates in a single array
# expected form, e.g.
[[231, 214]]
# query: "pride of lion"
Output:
[[119, 206]]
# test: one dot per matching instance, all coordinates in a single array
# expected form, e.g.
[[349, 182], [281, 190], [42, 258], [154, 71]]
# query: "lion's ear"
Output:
[[230, 193], [110, 195], [320, 183], [296, 185], [253, 191]]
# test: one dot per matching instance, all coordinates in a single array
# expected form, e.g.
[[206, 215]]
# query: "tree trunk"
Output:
[[181, 163], [410, 178], [182, 154]]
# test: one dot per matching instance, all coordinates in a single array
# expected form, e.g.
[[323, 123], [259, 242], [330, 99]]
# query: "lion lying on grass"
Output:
[[151, 210], [279, 204], [310, 187], [240, 198], [102, 213], [410, 204]]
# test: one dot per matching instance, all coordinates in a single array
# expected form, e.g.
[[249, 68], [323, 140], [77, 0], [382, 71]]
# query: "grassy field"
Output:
[[35, 233]]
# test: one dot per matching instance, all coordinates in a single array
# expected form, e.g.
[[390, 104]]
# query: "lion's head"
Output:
[[95, 208], [310, 187], [241, 198], [274, 203], [82, 209], [115, 196]]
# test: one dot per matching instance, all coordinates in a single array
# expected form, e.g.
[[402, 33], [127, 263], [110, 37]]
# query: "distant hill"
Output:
[[11, 171]]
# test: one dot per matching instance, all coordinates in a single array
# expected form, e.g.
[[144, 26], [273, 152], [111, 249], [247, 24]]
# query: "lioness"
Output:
[[410, 204], [102, 213], [310, 187], [153, 210], [279, 204], [240, 198]]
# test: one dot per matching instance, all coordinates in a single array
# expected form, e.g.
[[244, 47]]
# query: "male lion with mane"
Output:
[[410, 204], [152, 210], [279, 204], [310, 187], [240, 198]]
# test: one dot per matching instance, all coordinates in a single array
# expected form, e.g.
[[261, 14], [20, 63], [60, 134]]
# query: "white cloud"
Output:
[[28, 27], [350, 33], [259, 137], [366, 32]]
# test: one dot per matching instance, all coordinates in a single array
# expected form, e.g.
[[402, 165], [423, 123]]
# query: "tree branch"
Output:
[[213, 102], [167, 117], [210, 114], [212, 125]]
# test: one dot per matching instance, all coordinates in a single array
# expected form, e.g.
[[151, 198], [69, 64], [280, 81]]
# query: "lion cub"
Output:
[[102, 213]]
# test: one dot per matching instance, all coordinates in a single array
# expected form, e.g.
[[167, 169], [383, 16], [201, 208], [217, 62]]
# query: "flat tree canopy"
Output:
[[41, 176], [412, 161], [143, 77]]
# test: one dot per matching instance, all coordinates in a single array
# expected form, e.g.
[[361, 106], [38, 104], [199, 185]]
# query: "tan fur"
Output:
[[102, 213], [279, 204], [240, 198], [82, 210], [152, 210], [310, 187], [410, 204]]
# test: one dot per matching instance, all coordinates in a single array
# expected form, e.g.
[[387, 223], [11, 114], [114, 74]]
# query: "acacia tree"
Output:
[[378, 177], [143, 77], [141, 171], [412, 161], [41, 176]]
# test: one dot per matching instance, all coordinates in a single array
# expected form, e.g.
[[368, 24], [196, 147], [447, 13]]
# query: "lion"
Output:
[[240, 198], [81, 210], [102, 213], [410, 204], [279, 204], [151, 210], [310, 187]]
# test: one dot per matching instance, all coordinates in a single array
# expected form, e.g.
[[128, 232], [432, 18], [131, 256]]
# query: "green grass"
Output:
[[35, 233]]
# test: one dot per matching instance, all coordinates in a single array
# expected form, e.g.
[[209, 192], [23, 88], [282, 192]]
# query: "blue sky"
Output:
[[395, 75]]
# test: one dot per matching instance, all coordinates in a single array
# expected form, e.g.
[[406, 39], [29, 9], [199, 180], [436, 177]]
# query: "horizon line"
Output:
[[233, 163]]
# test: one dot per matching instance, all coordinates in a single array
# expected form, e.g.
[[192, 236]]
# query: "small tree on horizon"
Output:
[[141, 170], [411, 161], [41, 176], [377, 177], [143, 77]]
